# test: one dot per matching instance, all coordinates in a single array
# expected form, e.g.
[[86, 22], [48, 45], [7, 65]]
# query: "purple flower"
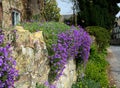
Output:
[[7, 64], [1, 62], [70, 44]]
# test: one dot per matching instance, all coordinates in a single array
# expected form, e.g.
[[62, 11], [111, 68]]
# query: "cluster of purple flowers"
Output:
[[69, 45], [48, 85], [8, 73]]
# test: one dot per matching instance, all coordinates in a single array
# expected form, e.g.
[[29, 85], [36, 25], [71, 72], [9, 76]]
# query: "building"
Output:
[[14, 11], [10, 12], [116, 30]]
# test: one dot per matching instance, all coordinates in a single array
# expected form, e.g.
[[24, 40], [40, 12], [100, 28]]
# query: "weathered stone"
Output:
[[8, 7], [69, 76], [30, 54], [25, 8]]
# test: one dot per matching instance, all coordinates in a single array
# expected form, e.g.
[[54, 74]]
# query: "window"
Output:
[[15, 17]]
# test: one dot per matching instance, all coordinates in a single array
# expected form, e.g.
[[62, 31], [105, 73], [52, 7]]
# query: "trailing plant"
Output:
[[8, 73], [69, 45]]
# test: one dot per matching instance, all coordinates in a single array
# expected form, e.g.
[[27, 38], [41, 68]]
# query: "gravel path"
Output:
[[114, 60]]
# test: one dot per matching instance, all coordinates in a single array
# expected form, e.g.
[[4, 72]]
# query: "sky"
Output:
[[65, 6], [118, 14], [118, 4]]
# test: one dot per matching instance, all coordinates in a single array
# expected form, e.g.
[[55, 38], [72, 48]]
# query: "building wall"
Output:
[[115, 37], [118, 21], [27, 9], [8, 6]]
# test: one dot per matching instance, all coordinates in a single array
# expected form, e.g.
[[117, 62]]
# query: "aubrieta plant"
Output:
[[8, 73], [69, 45]]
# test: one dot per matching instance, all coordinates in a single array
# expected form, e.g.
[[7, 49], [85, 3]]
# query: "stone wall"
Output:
[[30, 53], [7, 6], [69, 76]]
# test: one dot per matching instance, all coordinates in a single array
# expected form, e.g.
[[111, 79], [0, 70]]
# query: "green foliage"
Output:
[[86, 83], [51, 11], [40, 86], [97, 13], [31, 26], [96, 67], [36, 17], [95, 71], [50, 31], [101, 34]]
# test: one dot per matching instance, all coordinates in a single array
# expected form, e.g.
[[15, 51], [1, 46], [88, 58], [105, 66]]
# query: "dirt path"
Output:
[[114, 61]]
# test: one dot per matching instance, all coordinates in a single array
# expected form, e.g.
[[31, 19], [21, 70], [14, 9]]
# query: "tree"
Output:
[[97, 13], [51, 11]]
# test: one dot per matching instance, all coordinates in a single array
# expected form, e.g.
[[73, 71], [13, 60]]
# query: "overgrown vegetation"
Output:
[[50, 31], [96, 67], [63, 43], [95, 75], [95, 71], [102, 36]]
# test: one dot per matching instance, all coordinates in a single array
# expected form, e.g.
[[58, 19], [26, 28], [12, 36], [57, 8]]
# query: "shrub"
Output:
[[95, 74], [101, 34], [8, 73], [96, 67], [86, 83], [51, 11]]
